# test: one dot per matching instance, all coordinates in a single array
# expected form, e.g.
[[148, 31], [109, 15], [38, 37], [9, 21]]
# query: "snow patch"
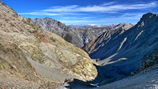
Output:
[[124, 40], [107, 60], [139, 35]]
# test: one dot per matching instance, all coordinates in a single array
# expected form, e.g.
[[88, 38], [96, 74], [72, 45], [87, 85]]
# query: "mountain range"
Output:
[[91, 26], [78, 35], [36, 54]]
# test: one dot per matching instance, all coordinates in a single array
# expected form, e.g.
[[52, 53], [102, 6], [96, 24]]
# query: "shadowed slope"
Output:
[[120, 52]]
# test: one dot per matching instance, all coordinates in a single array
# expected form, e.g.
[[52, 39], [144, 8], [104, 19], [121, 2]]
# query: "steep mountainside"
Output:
[[74, 36], [121, 51], [31, 54], [31, 57], [59, 28]]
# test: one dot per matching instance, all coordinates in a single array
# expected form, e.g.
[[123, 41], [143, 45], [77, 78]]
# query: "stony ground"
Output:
[[12, 81]]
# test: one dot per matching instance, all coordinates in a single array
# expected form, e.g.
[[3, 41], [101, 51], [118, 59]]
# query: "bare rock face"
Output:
[[38, 55], [92, 46], [122, 51], [68, 33]]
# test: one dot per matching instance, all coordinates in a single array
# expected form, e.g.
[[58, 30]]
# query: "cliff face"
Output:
[[36, 54]]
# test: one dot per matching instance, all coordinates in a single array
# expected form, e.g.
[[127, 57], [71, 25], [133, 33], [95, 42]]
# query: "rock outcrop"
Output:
[[150, 59], [38, 55]]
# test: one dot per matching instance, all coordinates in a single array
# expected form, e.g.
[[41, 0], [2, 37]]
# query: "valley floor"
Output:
[[147, 79]]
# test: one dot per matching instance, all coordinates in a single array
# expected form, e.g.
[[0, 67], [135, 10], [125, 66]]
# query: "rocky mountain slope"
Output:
[[30, 54], [121, 51], [74, 36], [31, 57], [88, 31], [59, 28], [79, 35]]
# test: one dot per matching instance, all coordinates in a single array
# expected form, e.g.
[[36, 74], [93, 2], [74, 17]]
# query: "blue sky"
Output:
[[79, 12]]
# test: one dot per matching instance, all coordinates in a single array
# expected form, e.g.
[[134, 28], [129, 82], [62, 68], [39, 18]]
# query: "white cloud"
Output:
[[74, 14], [62, 8], [106, 7], [45, 13], [39, 13], [110, 7], [106, 4]]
